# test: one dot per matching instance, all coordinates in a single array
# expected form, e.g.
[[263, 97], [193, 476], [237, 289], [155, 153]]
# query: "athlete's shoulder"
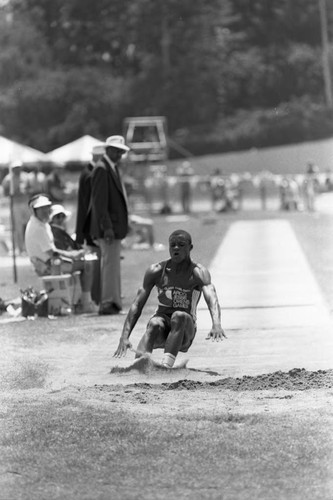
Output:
[[201, 273], [156, 267], [153, 273]]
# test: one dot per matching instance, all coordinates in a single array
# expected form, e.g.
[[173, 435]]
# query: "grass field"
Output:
[[71, 447], [157, 442]]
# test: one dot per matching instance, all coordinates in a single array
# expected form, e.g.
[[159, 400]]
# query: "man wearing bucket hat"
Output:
[[41, 249], [109, 221]]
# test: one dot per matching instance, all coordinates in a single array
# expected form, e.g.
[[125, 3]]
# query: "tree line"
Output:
[[227, 74]]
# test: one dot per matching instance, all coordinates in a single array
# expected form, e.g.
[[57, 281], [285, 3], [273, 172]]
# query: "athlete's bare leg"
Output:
[[155, 327], [181, 326]]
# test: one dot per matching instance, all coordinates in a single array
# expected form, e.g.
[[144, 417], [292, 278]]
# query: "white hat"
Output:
[[98, 150], [16, 164], [59, 209], [116, 141], [40, 201]]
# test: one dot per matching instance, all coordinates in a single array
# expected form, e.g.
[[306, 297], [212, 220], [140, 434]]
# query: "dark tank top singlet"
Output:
[[178, 292]]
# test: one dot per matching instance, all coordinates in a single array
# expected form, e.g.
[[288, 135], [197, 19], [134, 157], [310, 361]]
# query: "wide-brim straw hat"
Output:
[[116, 141]]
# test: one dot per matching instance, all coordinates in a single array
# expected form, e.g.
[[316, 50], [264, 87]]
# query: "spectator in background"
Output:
[[328, 180], [185, 172], [216, 182], [224, 193], [158, 183], [310, 186], [109, 221], [41, 248], [54, 185], [14, 185], [289, 194], [283, 188], [83, 216], [36, 182], [64, 241], [58, 218]]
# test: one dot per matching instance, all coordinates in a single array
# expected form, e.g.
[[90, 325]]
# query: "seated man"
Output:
[[41, 249]]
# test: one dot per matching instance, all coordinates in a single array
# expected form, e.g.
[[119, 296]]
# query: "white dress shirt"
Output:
[[39, 239]]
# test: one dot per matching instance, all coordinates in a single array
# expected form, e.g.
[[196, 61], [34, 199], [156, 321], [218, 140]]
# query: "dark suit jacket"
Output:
[[83, 215], [109, 206]]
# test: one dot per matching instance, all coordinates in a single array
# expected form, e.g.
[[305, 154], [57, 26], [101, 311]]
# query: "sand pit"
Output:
[[297, 379], [146, 364], [297, 391]]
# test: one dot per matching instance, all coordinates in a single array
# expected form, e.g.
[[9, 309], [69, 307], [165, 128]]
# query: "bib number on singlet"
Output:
[[180, 299]]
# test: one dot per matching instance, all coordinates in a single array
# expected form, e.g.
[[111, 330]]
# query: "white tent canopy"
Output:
[[11, 151], [76, 151]]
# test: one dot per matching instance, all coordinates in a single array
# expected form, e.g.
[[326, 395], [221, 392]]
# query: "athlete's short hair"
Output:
[[183, 233]]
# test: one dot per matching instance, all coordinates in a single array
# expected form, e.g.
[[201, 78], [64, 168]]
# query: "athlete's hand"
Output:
[[123, 345], [216, 333]]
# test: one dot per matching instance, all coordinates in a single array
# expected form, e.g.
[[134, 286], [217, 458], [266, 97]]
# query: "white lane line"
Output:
[[264, 280]]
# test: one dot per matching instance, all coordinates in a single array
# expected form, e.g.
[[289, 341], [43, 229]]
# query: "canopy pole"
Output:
[[12, 220]]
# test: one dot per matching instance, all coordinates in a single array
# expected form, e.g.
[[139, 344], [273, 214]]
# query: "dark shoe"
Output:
[[109, 309]]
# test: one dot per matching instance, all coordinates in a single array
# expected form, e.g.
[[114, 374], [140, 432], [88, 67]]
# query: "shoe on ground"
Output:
[[88, 308], [109, 309]]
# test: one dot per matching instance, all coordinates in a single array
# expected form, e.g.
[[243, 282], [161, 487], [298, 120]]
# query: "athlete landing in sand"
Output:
[[179, 282]]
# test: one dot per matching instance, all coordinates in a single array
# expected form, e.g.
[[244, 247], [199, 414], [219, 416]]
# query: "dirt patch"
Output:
[[297, 379], [297, 391], [310, 389]]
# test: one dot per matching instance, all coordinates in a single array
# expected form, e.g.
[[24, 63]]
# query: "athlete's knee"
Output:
[[180, 317], [153, 329], [154, 326]]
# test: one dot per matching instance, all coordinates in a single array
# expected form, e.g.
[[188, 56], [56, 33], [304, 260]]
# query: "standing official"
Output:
[[83, 216], [82, 229], [109, 221]]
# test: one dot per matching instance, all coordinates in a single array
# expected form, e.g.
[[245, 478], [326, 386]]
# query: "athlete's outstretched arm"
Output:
[[210, 296], [135, 311]]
